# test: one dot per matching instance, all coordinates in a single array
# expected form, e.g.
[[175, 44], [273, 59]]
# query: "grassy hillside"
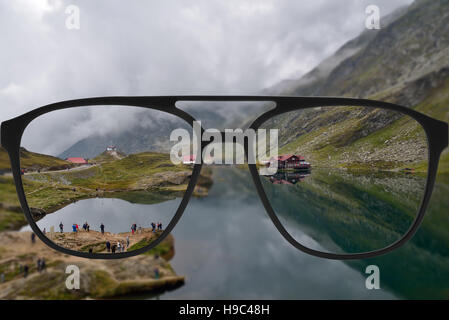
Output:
[[350, 137], [32, 161], [145, 178], [108, 156], [140, 172]]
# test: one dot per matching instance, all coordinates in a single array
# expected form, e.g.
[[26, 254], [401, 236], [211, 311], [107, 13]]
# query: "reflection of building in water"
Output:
[[288, 177]]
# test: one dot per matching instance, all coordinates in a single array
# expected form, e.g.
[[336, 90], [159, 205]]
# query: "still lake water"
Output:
[[228, 248]]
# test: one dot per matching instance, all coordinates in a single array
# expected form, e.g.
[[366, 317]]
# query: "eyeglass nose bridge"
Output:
[[239, 150]]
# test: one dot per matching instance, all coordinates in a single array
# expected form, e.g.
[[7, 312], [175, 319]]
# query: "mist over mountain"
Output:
[[405, 62], [149, 132]]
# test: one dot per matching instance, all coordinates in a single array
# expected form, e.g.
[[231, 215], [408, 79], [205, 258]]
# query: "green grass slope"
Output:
[[348, 137], [115, 178], [33, 161]]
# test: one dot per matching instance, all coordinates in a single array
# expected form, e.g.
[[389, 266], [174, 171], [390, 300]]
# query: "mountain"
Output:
[[378, 62], [405, 62], [151, 131], [32, 161], [146, 134], [310, 81]]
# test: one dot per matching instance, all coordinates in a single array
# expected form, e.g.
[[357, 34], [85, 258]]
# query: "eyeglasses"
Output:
[[352, 179]]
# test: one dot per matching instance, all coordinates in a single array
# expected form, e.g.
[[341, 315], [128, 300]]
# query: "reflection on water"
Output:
[[288, 177], [227, 247], [346, 212]]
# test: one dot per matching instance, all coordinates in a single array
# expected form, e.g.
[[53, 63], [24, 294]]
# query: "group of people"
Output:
[[25, 269], [40, 265], [155, 226], [86, 226], [120, 246], [76, 228]]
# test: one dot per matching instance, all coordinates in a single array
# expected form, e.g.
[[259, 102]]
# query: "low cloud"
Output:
[[165, 47]]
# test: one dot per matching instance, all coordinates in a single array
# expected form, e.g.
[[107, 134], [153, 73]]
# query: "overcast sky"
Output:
[[165, 47]]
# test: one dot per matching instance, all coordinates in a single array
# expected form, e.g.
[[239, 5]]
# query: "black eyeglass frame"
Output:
[[437, 136]]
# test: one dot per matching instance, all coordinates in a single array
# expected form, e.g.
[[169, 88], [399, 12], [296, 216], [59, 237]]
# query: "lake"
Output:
[[228, 248]]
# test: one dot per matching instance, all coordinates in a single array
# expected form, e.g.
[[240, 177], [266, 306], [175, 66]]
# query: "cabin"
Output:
[[290, 162], [111, 148], [77, 160]]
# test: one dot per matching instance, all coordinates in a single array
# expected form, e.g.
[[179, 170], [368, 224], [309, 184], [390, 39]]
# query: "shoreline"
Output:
[[99, 279]]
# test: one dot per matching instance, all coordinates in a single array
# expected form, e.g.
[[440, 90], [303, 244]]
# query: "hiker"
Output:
[[90, 250], [25, 271], [74, 227], [88, 227], [123, 246], [119, 247], [61, 227], [132, 229], [153, 226], [127, 241], [43, 266], [33, 238], [108, 246], [113, 248], [102, 228], [85, 226], [77, 227]]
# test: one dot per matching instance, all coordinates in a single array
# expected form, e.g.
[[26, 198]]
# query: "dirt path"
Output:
[[79, 168]]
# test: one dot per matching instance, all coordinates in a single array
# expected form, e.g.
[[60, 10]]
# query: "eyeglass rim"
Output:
[[436, 132], [437, 139]]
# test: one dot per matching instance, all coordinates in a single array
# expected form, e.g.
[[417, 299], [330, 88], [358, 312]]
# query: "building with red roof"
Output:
[[190, 159], [290, 161], [77, 160]]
